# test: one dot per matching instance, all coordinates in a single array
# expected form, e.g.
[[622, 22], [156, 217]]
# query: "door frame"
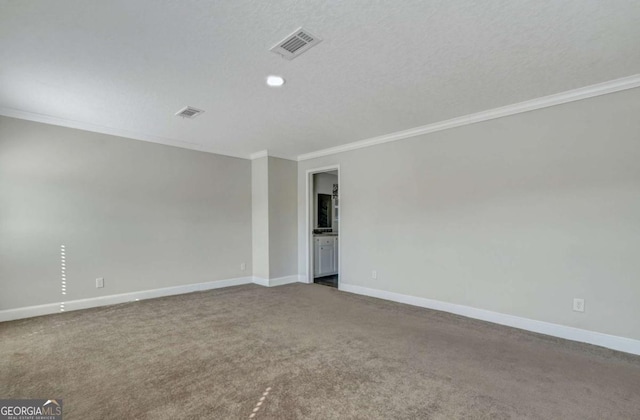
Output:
[[309, 220]]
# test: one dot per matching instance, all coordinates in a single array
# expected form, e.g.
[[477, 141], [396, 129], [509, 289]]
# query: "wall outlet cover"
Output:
[[578, 305], [99, 282]]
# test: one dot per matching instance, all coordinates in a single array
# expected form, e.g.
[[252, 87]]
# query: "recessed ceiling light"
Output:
[[275, 81]]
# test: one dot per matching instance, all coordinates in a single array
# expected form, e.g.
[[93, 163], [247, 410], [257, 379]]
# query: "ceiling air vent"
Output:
[[295, 44], [189, 112]]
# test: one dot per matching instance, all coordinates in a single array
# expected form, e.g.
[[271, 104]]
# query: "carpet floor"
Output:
[[312, 352]]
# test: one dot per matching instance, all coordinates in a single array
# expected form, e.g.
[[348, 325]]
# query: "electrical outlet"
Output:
[[374, 274], [578, 305], [243, 266], [99, 282]]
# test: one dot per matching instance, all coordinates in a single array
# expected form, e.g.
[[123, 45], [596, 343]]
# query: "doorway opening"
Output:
[[323, 226]]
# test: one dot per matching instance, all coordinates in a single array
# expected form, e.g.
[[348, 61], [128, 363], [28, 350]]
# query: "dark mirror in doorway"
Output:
[[324, 210]]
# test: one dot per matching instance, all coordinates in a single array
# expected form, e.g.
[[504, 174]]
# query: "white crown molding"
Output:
[[258, 155], [47, 119], [265, 153], [531, 105], [74, 305], [614, 342]]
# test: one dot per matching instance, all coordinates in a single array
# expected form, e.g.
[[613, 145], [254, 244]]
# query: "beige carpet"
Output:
[[320, 353]]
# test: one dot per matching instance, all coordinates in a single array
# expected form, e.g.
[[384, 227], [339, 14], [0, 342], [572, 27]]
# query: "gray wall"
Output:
[[283, 207], [518, 215], [274, 200], [141, 215], [260, 216]]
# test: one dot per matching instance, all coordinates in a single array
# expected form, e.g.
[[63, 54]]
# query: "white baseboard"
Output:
[[74, 305], [279, 281], [260, 281], [614, 342], [283, 280]]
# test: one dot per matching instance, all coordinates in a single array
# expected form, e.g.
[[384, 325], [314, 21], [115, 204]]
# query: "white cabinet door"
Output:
[[324, 257], [325, 260]]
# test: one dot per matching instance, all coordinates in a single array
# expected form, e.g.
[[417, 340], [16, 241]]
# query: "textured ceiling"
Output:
[[383, 66]]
